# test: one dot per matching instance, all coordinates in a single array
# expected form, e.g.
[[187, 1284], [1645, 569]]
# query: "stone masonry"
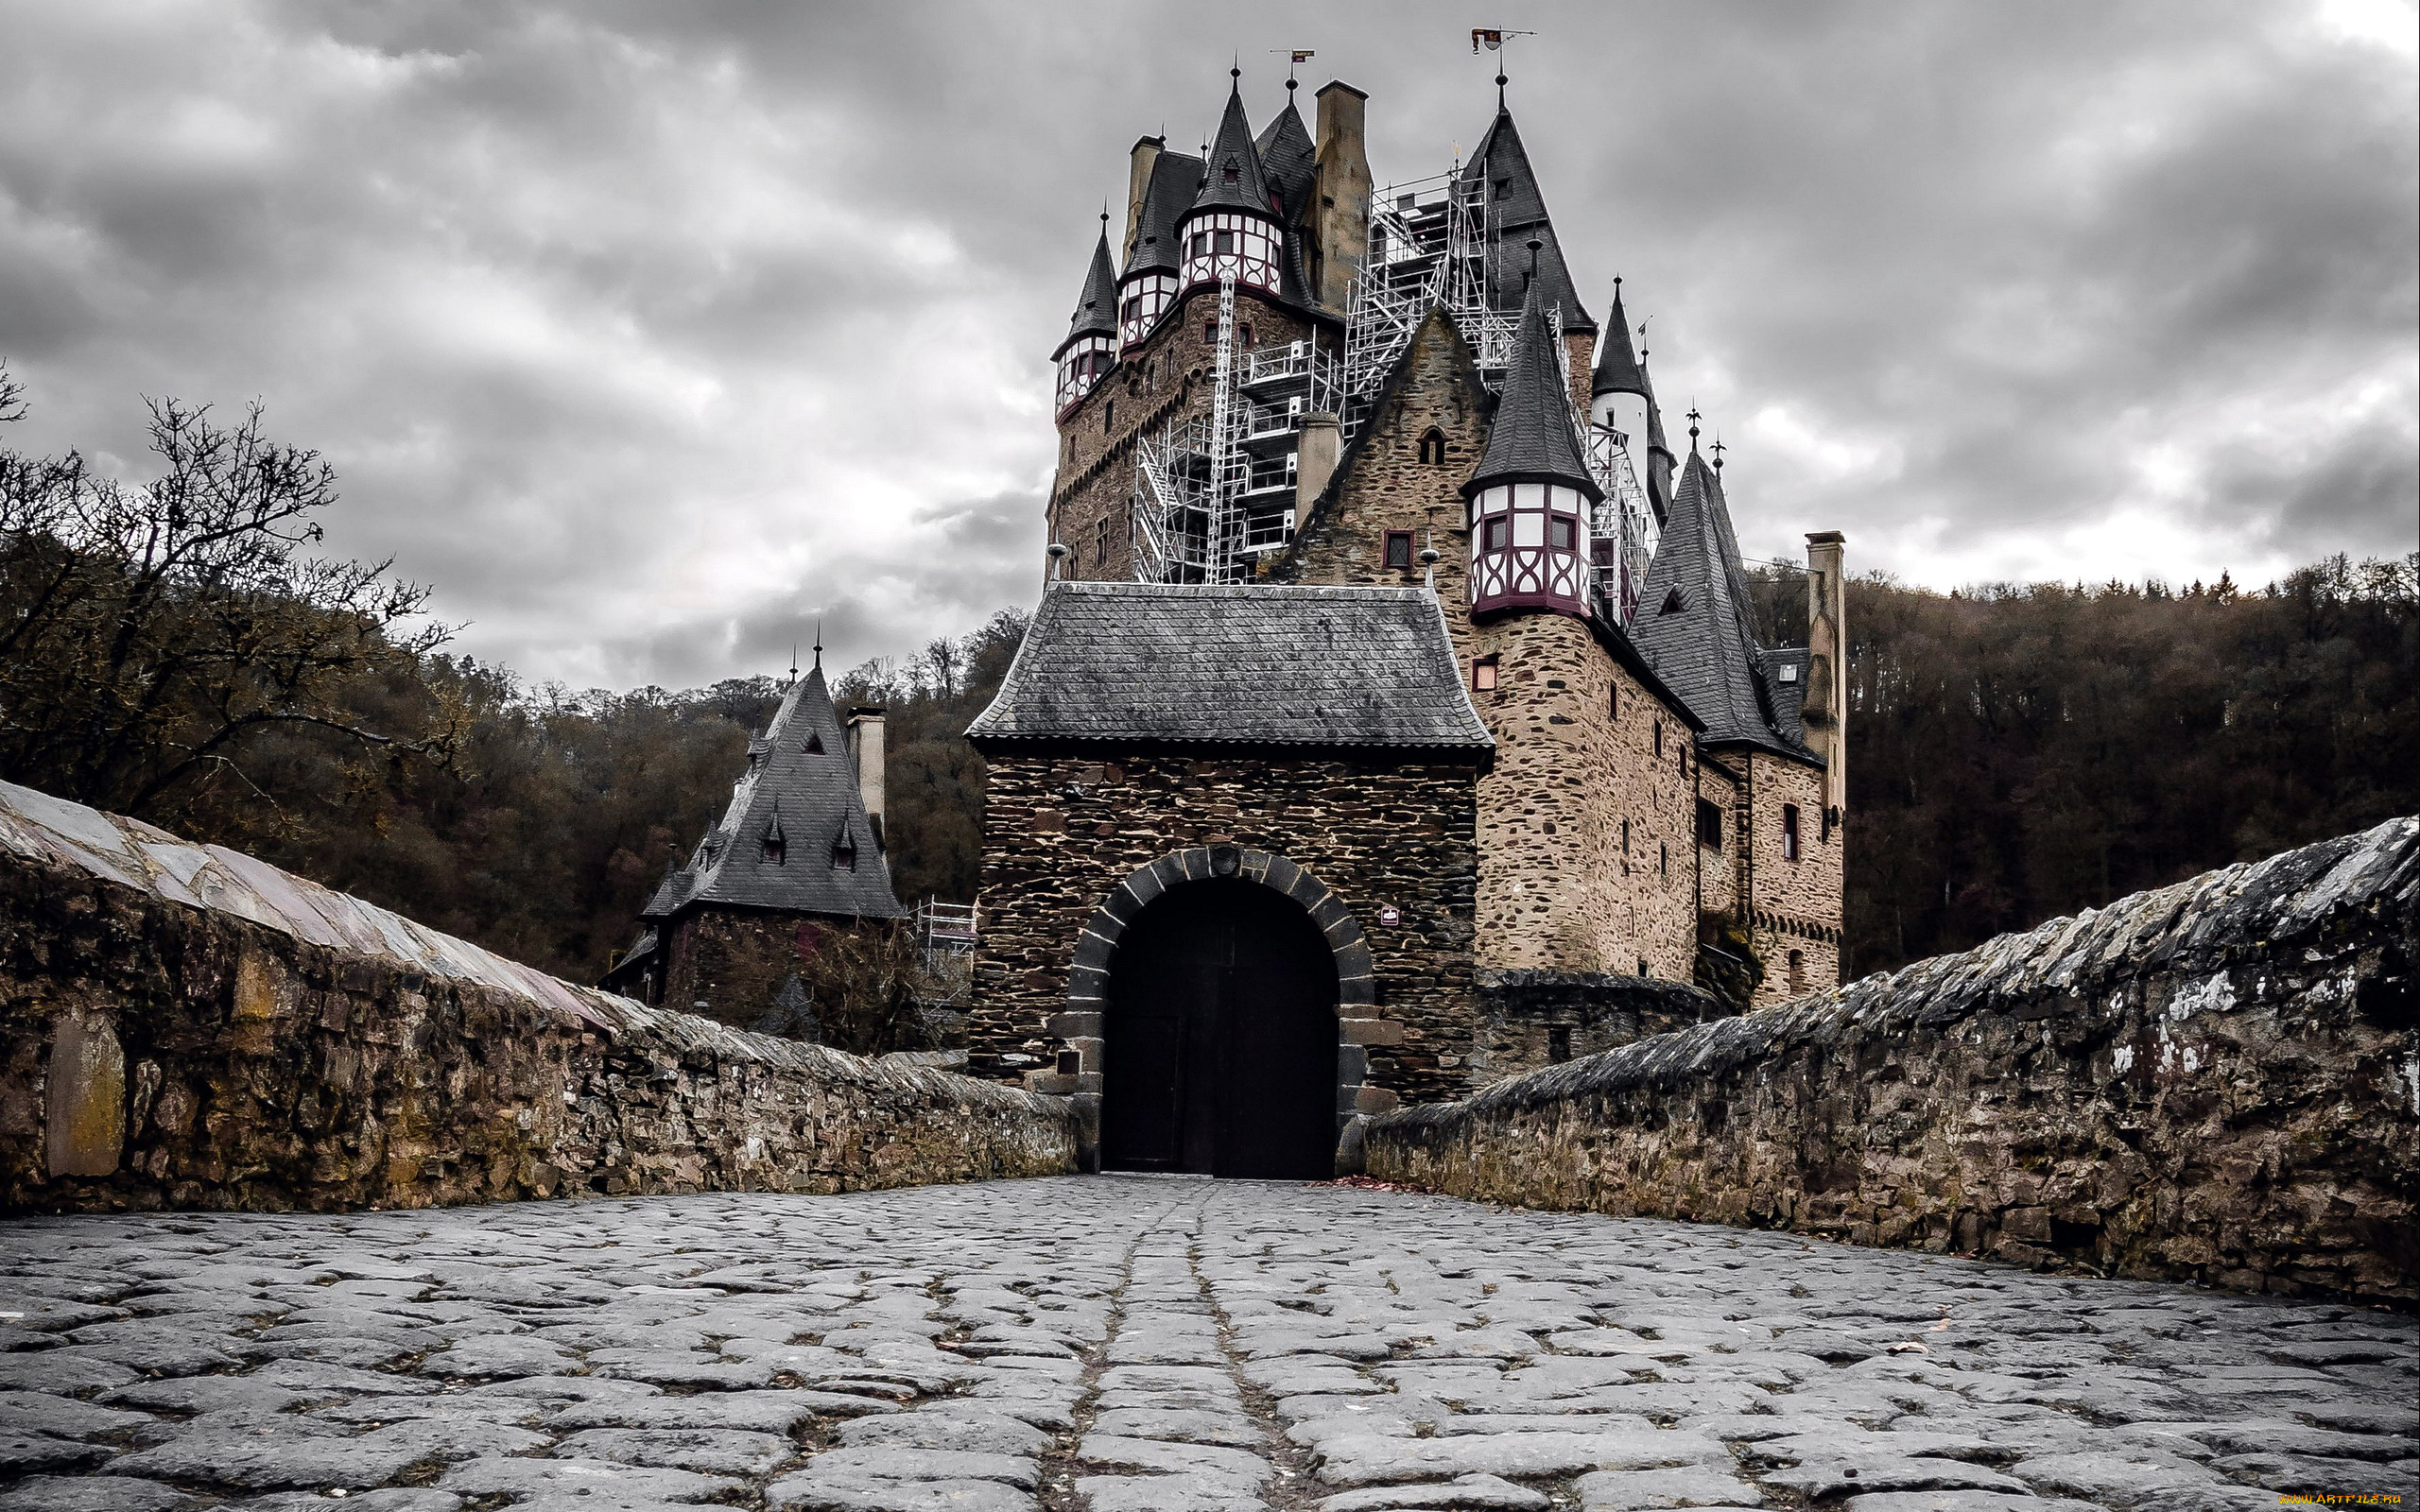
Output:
[[2217, 1081], [1061, 831], [183, 1026]]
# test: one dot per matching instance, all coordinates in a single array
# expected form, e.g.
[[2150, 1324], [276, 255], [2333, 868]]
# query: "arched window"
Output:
[[1432, 447]]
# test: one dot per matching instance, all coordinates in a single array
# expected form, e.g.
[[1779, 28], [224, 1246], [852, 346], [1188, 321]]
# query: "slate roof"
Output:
[[1693, 623], [1161, 664], [1790, 695], [1176, 177], [1096, 308], [801, 788], [1289, 157], [1532, 434], [1232, 148], [1617, 369], [1519, 210]]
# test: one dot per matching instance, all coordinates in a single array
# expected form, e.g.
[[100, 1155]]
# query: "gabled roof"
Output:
[[1232, 178], [1693, 623], [1617, 369], [1176, 177], [1518, 215], [1289, 157], [800, 787], [1096, 308], [1156, 664], [1532, 435]]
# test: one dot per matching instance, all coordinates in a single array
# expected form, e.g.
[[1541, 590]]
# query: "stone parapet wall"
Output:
[[2216, 1081], [184, 1027], [1535, 1019]]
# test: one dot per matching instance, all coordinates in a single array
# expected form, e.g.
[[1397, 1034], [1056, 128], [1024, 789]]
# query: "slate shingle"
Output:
[[1251, 664]]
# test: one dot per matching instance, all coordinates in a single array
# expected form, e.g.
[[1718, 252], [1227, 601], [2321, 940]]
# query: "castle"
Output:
[[1388, 654]]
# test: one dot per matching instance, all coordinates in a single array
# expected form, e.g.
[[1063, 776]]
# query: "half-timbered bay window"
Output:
[[1081, 366], [1144, 298], [1230, 244], [1527, 548]]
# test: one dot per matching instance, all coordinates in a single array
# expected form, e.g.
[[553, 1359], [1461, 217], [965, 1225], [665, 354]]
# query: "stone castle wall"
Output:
[[185, 1026], [1166, 376], [1792, 905], [1061, 831], [729, 963], [2217, 1081]]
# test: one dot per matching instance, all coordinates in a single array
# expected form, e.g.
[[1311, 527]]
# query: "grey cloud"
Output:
[[651, 333]]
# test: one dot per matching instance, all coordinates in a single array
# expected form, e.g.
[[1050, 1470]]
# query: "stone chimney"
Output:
[[1139, 164], [1322, 441], [1340, 217], [865, 752], [1827, 710]]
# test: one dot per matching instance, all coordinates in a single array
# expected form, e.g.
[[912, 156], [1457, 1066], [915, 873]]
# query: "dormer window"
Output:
[[1789, 672], [1231, 170], [1672, 603], [814, 744], [777, 849], [844, 850]]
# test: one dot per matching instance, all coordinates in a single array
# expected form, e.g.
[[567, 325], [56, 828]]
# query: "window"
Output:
[[1483, 674], [1223, 241], [1672, 603], [1229, 172], [1663, 860], [1210, 332], [1399, 549], [1108, 416], [1797, 972], [1558, 1043], [775, 849], [1495, 534], [1243, 332], [1625, 836], [1562, 532], [1709, 826], [1432, 447], [1827, 826], [814, 744], [1644, 969], [1659, 740], [844, 853], [1613, 701], [1789, 831]]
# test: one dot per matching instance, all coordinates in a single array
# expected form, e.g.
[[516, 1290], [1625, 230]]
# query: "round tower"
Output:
[[1621, 398], [1232, 230], [1531, 494]]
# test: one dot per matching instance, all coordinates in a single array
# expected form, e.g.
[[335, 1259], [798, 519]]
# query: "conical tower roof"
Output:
[[800, 788], [1617, 369], [1693, 623], [1233, 179], [1288, 159], [1533, 436], [1176, 177], [1096, 308], [1517, 216]]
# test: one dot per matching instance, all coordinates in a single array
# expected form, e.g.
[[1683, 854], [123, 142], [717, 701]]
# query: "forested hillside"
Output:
[[181, 652]]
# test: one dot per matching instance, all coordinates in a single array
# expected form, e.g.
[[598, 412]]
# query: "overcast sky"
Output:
[[650, 333]]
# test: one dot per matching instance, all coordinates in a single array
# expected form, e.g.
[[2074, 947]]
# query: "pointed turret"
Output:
[[1501, 170], [1530, 494], [1693, 622], [1232, 230], [1617, 369], [1623, 403], [1288, 159], [1091, 345]]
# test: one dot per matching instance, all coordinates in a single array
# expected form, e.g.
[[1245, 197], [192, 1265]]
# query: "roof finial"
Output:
[[1534, 245], [1718, 451], [819, 643], [1500, 82], [1236, 72], [1428, 558], [1694, 418], [793, 661], [1058, 555]]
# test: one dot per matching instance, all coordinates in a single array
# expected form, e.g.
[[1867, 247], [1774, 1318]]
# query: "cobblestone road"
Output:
[[1134, 1344]]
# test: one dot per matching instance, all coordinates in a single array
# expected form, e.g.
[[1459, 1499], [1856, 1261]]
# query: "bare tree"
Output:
[[148, 631]]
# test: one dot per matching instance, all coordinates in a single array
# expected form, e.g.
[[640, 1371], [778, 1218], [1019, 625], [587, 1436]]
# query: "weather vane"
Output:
[[1295, 58]]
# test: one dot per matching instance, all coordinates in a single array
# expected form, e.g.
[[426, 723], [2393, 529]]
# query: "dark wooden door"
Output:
[[1220, 1038]]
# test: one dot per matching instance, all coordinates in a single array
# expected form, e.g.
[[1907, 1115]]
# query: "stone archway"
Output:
[[1080, 1028]]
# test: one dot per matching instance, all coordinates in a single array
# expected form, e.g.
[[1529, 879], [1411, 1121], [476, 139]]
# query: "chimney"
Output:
[[1827, 710], [1340, 219], [1139, 164], [1315, 455], [865, 753]]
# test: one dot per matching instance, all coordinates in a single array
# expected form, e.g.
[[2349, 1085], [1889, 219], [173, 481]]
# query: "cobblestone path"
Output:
[[1131, 1343]]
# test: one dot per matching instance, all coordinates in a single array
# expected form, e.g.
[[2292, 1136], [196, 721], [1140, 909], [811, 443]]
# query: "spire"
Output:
[[1500, 168], [1288, 159], [1617, 366], [1096, 308], [1232, 177], [1693, 622], [1533, 437]]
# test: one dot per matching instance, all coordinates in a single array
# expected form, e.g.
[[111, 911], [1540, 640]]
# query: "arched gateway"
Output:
[[1223, 975]]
